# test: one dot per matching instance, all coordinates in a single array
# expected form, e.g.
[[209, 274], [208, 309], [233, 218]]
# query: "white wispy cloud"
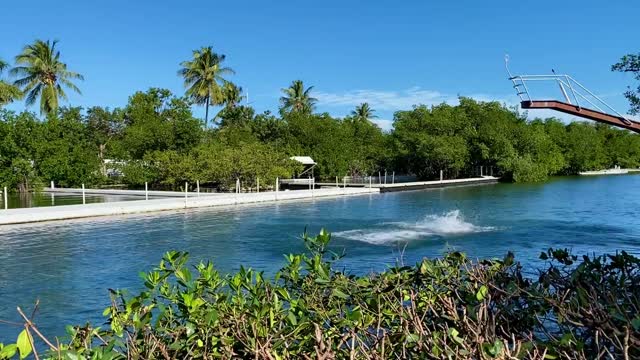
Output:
[[385, 100], [384, 124]]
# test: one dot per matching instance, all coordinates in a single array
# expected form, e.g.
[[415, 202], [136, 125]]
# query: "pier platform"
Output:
[[171, 200], [142, 193], [52, 213], [420, 185], [399, 186]]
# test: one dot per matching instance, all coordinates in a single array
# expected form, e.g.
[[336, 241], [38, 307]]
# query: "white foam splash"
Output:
[[451, 223]]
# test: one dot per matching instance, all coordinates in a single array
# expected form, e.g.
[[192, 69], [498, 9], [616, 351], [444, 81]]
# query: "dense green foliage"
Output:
[[156, 139], [458, 139], [631, 64], [449, 308], [58, 149]]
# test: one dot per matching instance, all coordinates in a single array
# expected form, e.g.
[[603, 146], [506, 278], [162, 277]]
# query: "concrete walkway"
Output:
[[39, 214], [420, 185]]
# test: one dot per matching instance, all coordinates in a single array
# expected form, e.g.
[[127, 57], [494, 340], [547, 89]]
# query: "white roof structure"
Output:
[[304, 160]]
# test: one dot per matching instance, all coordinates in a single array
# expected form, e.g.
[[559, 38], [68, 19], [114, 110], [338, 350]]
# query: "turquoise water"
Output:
[[69, 266]]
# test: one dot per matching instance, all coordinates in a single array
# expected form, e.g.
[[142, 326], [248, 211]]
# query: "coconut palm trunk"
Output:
[[206, 111]]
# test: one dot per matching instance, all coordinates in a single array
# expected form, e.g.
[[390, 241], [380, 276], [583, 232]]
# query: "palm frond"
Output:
[[297, 98], [9, 93], [33, 94], [43, 74]]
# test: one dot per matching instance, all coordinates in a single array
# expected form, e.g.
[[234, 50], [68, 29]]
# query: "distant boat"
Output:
[[615, 171]]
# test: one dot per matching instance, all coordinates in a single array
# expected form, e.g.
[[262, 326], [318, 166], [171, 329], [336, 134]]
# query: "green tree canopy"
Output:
[[20, 137], [631, 64], [67, 154], [104, 126], [155, 121], [42, 74]]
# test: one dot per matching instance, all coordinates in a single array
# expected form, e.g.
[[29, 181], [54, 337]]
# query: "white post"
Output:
[[258, 185], [441, 176], [337, 185], [277, 187], [385, 177], [235, 197], [481, 168], [369, 181], [146, 191], [84, 199], [6, 202], [344, 182], [53, 199], [186, 194], [52, 185], [198, 187], [379, 178], [393, 177]]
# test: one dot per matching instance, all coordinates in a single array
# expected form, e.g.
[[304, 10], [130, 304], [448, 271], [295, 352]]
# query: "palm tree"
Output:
[[363, 112], [44, 75], [232, 95], [203, 78], [297, 99], [8, 92]]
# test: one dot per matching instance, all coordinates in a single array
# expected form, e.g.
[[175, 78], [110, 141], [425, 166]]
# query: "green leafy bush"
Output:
[[447, 308]]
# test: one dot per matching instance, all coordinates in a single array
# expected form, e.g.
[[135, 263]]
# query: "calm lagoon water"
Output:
[[41, 199], [70, 265]]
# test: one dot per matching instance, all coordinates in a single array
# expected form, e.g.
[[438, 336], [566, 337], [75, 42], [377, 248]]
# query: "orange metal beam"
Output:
[[582, 112]]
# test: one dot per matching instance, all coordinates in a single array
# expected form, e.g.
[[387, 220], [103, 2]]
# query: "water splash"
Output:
[[451, 223]]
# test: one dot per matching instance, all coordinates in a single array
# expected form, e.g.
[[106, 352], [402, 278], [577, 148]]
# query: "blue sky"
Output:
[[391, 54]]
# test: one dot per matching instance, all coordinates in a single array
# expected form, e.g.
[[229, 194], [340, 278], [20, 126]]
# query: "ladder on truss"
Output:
[[575, 96]]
